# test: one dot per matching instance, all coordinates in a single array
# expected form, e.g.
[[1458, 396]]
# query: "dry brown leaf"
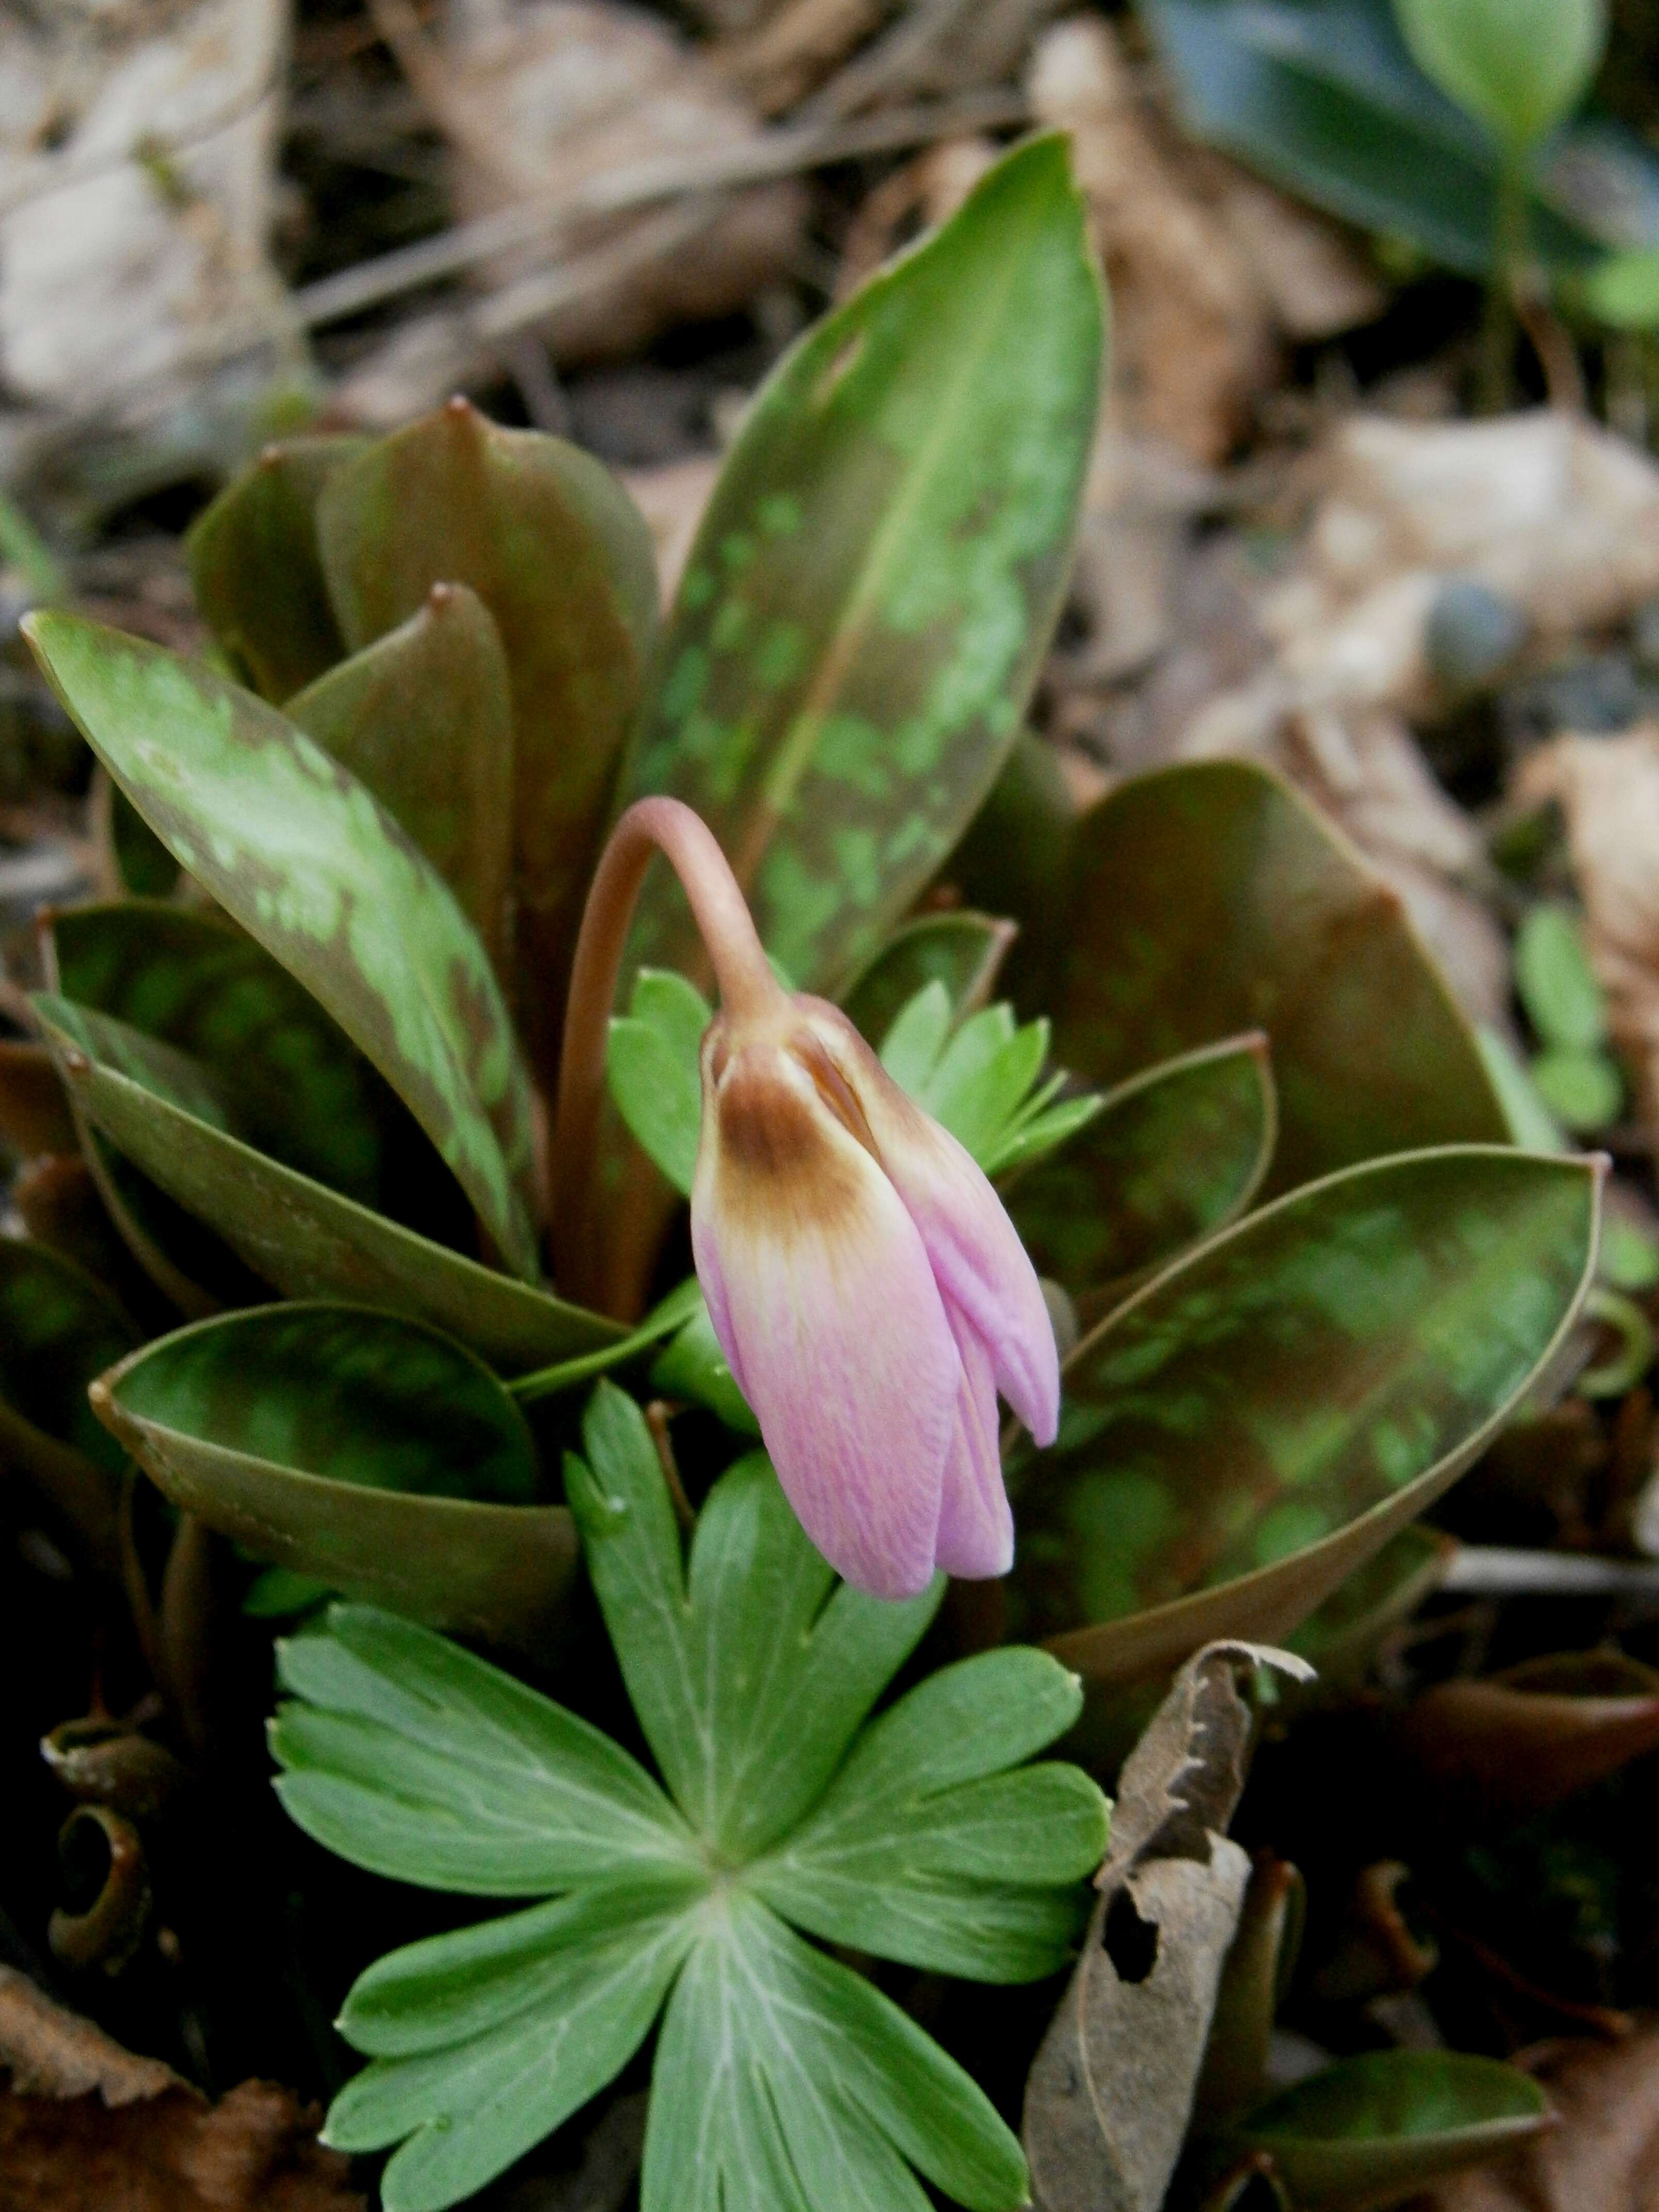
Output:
[[1109, 2097], [54, 2052], [543, 96], [136, 174], [1604, 2155], [1192, 337], [87, 2126], [1607, 788]]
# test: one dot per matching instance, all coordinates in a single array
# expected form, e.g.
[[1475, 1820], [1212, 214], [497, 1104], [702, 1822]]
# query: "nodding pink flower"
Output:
[[870, 1296], [868, 1291]]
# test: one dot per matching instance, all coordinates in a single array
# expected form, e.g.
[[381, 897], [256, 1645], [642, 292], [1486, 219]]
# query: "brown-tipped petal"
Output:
[[975, 1525], [974, 1248], [822, 1297]]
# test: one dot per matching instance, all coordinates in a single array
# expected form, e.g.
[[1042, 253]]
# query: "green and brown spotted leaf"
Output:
[[1210, 898], [257, 573], [298, 853], [370, 1453], [1173, 1155], [424, 717], [563, 561], [195, 983], [877, 576], [165, 1115], [1250, 1428], [963, 951], [59, 1329]]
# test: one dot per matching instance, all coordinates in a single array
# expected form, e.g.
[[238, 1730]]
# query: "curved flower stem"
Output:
[[747, 986]]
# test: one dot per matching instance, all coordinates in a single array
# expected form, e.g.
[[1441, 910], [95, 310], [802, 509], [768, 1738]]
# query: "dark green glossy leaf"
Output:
[[1238, 1440], [562, 559], [1370, 2131], [300, 1089], [163, 1114], [424, 717], [963, 951], [59, 1329], [1327, 103], [875, 580], [257, 573], [365, 1450], [303, 857], [1173, 1155], [1210, 898]]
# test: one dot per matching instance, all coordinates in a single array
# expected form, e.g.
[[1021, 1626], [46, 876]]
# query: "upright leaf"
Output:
[[875, 579], [1208, 899], [304, 858], [1242, 1434], [424, 718], [257, 573], [1174, 1154], [562, 559]]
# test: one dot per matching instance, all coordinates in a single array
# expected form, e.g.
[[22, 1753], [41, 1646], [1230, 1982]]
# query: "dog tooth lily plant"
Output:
[[346, 1074]]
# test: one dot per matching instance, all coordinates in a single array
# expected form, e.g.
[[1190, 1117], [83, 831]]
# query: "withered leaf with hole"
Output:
[[1109, 2098]]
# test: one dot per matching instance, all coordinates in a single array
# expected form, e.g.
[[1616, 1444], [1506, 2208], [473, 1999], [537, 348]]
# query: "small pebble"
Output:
[[1472, 634]]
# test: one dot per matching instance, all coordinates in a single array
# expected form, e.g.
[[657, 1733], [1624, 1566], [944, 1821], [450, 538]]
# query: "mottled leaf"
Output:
[[304, 858], [190, 980], [562, 559], [963, 951], [1173, 1155], [1251, 1426], [58, 1329], [1210, 898], [1371, 2131], [877, 575], [162, 1115], [257, 573], [363, 1449], [424, 718]]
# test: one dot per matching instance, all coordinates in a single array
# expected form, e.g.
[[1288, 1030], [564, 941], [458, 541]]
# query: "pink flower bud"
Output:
[[869, 1294]]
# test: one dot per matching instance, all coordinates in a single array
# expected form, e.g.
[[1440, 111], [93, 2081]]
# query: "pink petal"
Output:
[[822, 1297], [974, 1249], [975, 1525]]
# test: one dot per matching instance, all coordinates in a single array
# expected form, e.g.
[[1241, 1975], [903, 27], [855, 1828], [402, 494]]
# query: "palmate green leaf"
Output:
[[1372, 2131], [924, 1848], [257, 572], [302, 856], [302, 1091], [975, 1079], [783, 2081], [424, 717], [751, 1673], [1172, 1155], [749, 1677], [962, 952], [1255, 1422], [58, 1329], [562, 559], [874, 582], [414, 1759], [541, 2009], [163, 1111], [367, 1451], [1208, 899]]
